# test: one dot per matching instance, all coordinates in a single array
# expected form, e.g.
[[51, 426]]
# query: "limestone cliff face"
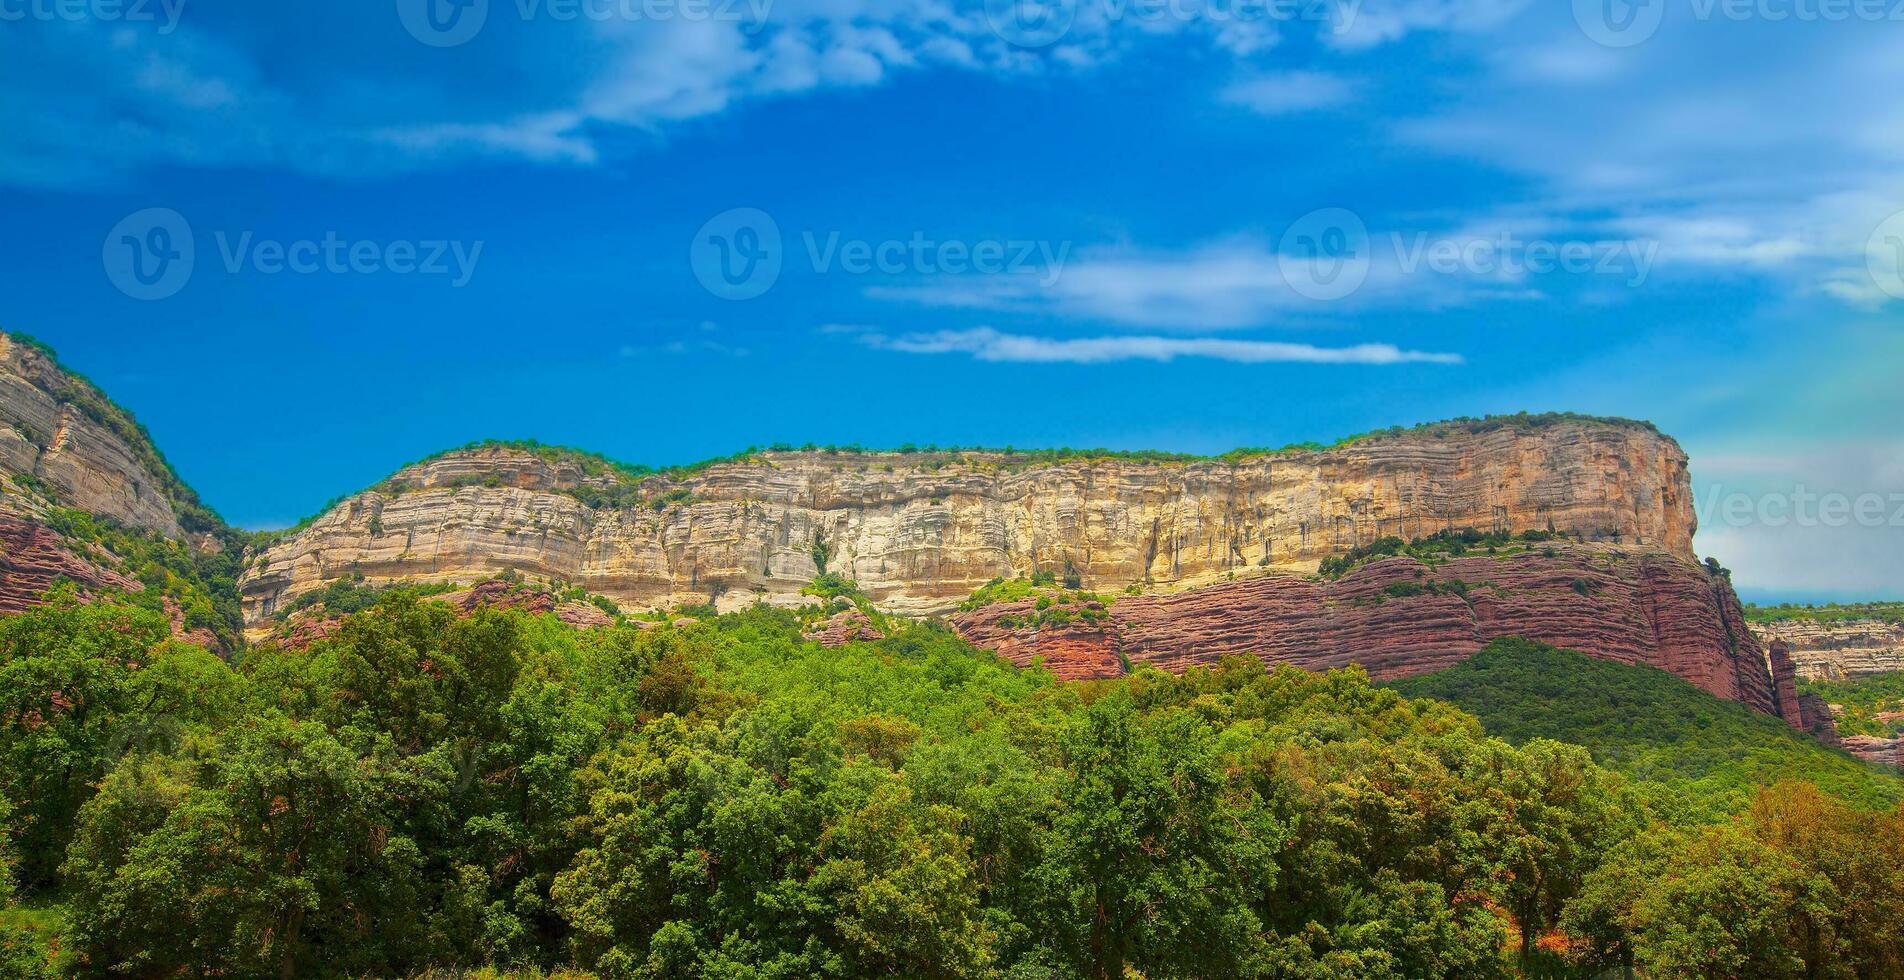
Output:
[[59, 431], [1398, 616], [919, 532], [1839, 649]]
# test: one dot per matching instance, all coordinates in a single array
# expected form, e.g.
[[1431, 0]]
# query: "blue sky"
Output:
[[1178, 224]]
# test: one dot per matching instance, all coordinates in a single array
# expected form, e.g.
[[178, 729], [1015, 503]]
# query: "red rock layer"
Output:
[[1883, 751], [33, 558], [1398, 616], [1785, 683], [1816, 717], [1075, 651]]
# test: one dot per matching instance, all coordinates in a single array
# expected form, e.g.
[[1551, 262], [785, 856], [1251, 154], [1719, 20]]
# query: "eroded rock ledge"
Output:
[[919, 532], [1399, 616]]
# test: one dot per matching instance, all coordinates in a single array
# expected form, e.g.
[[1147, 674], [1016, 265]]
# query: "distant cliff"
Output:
[[1838, 648], [920, 531]]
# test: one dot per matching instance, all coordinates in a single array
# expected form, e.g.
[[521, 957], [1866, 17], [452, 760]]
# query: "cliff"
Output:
[[920, 531], [1838, 649], [61, 438], [1402, 616]]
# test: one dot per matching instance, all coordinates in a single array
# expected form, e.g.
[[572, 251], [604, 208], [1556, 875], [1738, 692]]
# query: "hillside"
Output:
[[1713, 754], [87, 500]]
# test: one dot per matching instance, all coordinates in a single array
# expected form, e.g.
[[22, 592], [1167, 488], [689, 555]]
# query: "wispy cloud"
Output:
[[987, 344], [1283, 93], [537, 87]]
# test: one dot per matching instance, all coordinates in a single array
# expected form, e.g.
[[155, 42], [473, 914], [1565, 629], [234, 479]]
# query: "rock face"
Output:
[[919, 532], [1883, 751], [58, 430], [33, 558], [1838, 649], [1398, 616]]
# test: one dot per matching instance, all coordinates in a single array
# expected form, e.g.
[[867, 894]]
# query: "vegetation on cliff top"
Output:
[[1436, 548], [1707, 754], [1831, 612], [427, 791]]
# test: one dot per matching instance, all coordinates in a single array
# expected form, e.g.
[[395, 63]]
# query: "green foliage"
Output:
[[1053, 606], [831, 585], [1800, 886], [1437, 547], [1708, 756], [1831, 612], [203, 583], [425, 792], [345, 596], [80, 686], [1864, 699]]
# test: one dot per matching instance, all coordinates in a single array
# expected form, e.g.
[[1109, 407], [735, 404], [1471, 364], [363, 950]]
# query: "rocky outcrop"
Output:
[[1817, 719], [34, 558], [846, 627], [1784, 682], [919, 532], [1882, 751], [1837, 649], [59, 432], [1399, 616]]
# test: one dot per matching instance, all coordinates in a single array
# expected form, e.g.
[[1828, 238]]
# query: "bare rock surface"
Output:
[[1838, 649], [1399, 616], [919, 532]]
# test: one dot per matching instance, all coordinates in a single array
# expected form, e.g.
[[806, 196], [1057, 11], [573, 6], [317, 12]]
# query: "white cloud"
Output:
[[356, 96], [1287, 92], [1755, 147], [987, 344]]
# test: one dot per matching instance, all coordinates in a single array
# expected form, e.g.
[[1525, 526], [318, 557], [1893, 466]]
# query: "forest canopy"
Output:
[[425, 790]]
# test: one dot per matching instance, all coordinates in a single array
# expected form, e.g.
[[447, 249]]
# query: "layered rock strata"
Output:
[[1399, 616], [919, 532], [59, 432], [34, 558], [1838, 649]]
